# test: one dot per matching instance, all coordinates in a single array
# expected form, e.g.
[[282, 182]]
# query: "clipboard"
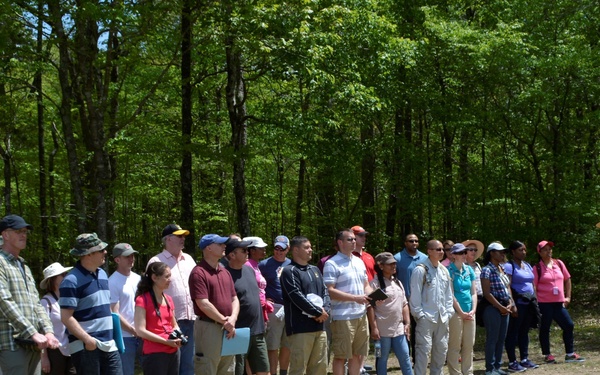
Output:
[[238, 344], [378, 295]]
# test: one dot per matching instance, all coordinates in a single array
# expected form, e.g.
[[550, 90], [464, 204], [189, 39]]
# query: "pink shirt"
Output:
[[388, 314], [550, 286], [179, 290]]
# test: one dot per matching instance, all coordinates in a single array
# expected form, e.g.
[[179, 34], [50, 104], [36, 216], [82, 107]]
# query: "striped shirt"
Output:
[[88, 294], [21, 314], [347, 274]]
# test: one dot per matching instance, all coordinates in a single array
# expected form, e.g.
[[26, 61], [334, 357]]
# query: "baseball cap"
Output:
[[174, 229], [13, 222], [458, 248], [282, 241], [234, 243], [495, 246], [385, 258], [255, 242], [209, 239], [357, 229], [544, 243], [123, 249]]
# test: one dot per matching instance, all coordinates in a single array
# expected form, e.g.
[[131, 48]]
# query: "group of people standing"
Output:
[[177, 314]]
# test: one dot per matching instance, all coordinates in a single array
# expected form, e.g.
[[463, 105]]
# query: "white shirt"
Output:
[[122, 290]]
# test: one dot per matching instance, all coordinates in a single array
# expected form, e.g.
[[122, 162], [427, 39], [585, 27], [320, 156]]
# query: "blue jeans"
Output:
[[496, 326], [128, 358], [518, 332], [97, 362], [186, 352], [555, 311], [399, 345]]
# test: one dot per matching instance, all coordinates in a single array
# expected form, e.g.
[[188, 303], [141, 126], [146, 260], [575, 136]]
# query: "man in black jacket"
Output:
[[306, 304]]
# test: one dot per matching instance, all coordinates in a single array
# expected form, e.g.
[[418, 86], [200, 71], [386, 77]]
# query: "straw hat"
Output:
[[477, 244], [52, 270]]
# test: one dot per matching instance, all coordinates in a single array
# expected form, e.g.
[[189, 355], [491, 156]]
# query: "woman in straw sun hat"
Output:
[[55, 361]]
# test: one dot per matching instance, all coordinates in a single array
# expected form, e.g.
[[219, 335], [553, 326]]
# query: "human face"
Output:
[[163, 281], [216, 249], [15, 239], [520, 253], [280, 253], [347, 242], [471, 251], [303, 253], [498, 256], [411, 243], [175, 241], [257, 253], [459, 257], [361, 239], [125, 263], [546, 252], [98, 258], [436, 252], [240, 255], [388, 269]]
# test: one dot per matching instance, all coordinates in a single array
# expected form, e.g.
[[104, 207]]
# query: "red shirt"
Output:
[[216, 285], [159, 325], [369, 262]]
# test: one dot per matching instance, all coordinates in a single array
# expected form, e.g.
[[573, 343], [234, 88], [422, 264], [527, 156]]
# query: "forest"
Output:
[[448, 119]]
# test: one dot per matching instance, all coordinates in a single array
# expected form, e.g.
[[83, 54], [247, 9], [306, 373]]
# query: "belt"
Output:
[[206, 319]]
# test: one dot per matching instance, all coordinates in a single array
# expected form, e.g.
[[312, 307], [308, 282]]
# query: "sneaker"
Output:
[[528, 364], [574, 358], [500, 372], [549, 358], [515, 367]]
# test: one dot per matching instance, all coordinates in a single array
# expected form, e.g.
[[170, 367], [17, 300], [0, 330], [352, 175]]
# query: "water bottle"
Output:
[[377, 347]]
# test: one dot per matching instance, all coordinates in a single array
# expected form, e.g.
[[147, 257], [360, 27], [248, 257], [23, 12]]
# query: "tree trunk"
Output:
[[187, 199], [300, 197], [367, 173], [236, 106], [5, 152]]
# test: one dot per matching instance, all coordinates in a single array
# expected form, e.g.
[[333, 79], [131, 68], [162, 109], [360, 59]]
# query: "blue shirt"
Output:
[[522, 277], [88, 294], [405, 264], [461, 282], [271, 271]]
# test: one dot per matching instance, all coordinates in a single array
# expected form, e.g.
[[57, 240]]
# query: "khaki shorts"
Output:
[[275, 335], [350, 337]]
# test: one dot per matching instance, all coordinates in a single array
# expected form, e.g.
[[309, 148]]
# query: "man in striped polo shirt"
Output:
[[345, 276], [85, 310]]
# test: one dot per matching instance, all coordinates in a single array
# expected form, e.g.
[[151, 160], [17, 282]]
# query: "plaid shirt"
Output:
[[21, 314], [498, 282]]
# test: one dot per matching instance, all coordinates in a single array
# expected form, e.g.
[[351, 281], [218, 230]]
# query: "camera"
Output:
[[177, 334]]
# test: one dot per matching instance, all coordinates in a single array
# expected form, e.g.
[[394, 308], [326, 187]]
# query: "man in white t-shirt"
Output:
[[123, 285]]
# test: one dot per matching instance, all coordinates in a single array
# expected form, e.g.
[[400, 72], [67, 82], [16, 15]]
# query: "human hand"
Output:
[[52, 341], [40, 340]]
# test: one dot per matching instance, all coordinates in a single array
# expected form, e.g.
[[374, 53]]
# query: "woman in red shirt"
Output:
[[155, 322]]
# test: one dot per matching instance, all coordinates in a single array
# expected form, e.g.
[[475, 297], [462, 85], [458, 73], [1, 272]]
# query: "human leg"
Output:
[[491, 318], [209, 339], [381, 362], [257, 355], [468, 341], [439, 348], [161, 363], [564, 321], [455, 333], [500, 343], [110, 363], [547, 311], [128, 357], [423, 337], [20, 361], [400, 348], [186, 359], [317, 362]]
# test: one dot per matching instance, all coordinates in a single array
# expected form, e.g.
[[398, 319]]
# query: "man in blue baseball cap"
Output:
[[216, 306]]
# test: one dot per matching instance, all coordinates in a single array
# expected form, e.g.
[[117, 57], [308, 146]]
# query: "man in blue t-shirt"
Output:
[[85, 310]]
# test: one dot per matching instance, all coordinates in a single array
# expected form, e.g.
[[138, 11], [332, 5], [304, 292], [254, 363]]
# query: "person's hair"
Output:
[[448, 242], [431, 243], [296, 241], [515, 245], [146, 283], [164, 240], [52, 283], [408, 235], [487, 256], [340, 236]]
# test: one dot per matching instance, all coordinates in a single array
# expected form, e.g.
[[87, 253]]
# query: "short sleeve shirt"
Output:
[[347, 274], [521, 277], [214, 285], [551, 278], [498, 283], [388, 314], [461, 281]]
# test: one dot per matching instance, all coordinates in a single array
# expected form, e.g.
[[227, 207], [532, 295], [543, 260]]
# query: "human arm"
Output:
[[338, 295], [406, 321], [568, 286], [485, 285], [416, 287], [292, 288], [125, 325], [373, 323], [75, 329], [139, 321]]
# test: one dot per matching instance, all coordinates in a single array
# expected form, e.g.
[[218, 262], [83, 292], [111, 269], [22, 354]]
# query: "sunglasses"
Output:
[[279, 248], [351, 239], [413, 241]]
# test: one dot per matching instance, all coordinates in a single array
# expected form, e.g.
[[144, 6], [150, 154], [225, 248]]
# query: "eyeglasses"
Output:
[[448, 249], [462, 253], [438, 249], [279, 248], [471, 249], [413, 241], [20, 231], [351, 239]]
